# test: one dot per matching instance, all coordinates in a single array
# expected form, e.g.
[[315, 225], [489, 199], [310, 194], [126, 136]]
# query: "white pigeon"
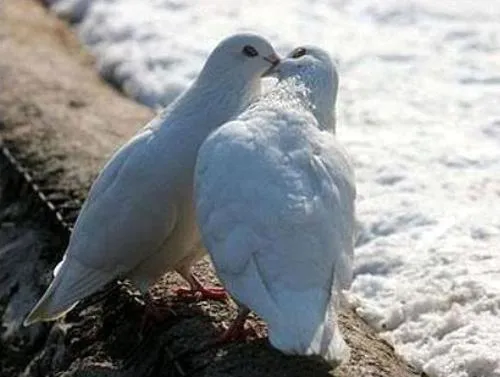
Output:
[[275, 198], [139, 219]]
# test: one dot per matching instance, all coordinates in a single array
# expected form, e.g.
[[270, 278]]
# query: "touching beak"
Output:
[[274, 59]]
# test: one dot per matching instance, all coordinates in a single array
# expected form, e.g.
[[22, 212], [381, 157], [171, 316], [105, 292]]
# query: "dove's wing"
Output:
[[275, 208], [129, 212], [334, 168], [117, 228], [114, 165]]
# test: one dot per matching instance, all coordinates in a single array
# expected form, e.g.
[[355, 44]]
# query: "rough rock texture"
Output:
[[59, 123]]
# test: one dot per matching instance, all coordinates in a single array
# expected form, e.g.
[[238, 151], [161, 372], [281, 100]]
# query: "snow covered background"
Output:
[[419, 110]]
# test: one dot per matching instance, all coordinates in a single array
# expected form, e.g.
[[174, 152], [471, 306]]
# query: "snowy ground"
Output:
[[419, 110]]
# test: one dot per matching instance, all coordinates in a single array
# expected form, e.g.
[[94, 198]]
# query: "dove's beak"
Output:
[[274, 59]]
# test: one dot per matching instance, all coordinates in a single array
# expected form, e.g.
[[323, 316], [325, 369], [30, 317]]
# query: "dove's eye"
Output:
[[250, 51], [298, 52]]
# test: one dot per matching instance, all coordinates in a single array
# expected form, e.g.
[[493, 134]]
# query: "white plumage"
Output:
[[139, 220], [275, 203]]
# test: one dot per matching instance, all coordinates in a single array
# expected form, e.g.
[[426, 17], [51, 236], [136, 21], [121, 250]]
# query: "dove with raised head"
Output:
[[275, 196], [139, 220]]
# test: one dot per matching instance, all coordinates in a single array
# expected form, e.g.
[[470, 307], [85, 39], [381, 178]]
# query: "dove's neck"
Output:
[[212, 101], [325, 114], [321, 103], [182, 127], [185, 124], [228, 95]]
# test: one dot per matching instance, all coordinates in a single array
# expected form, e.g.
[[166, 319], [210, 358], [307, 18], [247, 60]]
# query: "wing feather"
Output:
[[276, 214], [119, 203]]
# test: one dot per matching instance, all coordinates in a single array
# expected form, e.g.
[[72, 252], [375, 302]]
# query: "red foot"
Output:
[[203, 293]]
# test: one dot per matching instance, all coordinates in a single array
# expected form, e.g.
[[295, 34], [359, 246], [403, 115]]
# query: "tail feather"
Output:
[[300, 322], [328, 340], [73, 281], [308, 330]]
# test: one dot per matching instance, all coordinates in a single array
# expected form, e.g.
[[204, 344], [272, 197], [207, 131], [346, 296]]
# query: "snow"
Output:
[[419, 110]]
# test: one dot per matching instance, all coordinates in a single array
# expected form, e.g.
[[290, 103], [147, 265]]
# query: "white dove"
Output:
[[275, 198], [139, 218]]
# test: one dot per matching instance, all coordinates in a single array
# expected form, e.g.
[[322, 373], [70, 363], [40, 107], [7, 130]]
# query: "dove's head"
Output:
[[239, 59], [313, 69]]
